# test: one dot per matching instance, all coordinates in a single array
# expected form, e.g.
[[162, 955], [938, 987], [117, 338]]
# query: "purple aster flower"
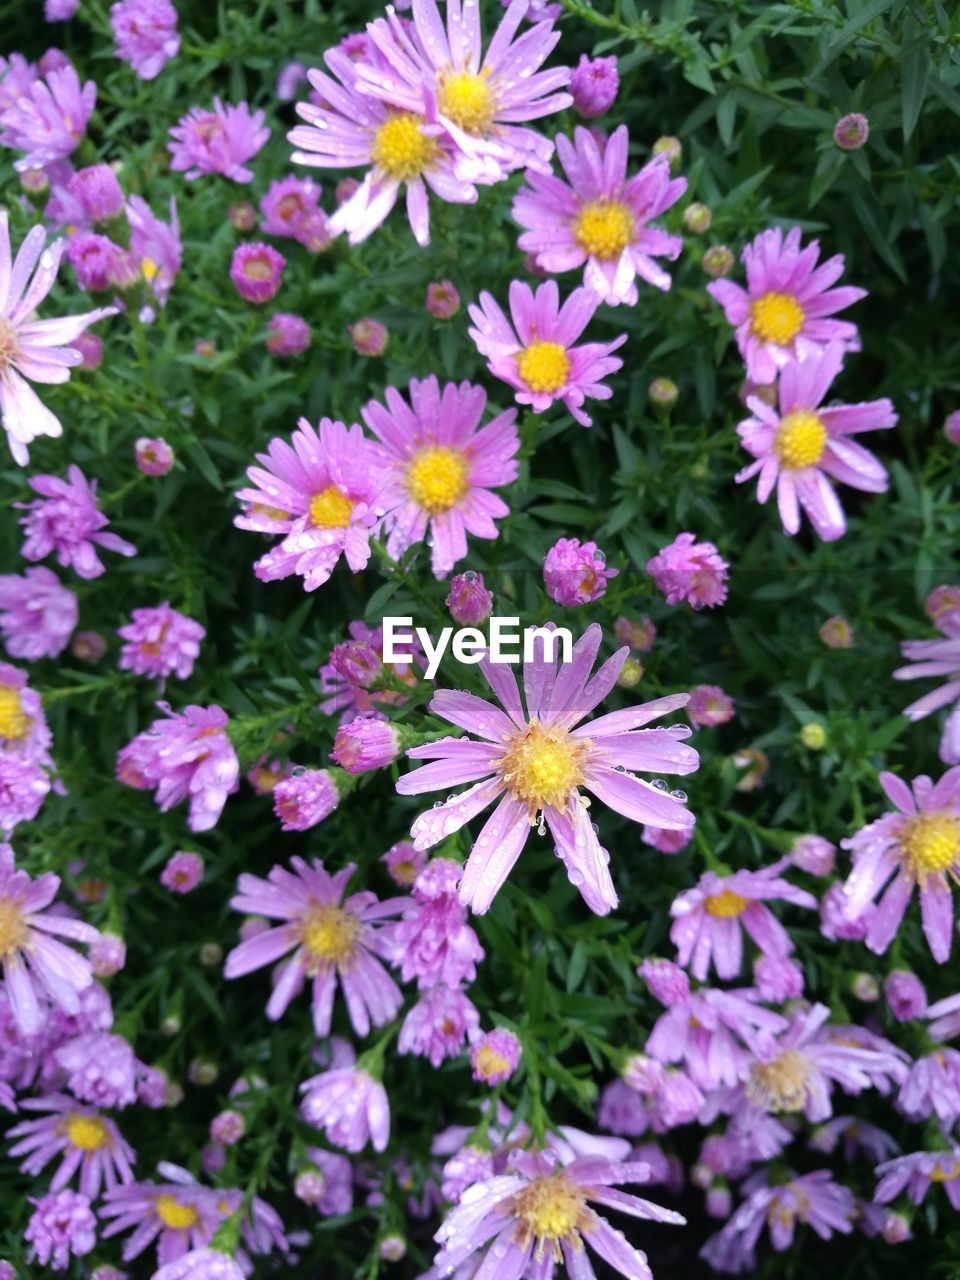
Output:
[[182, 872], [594, 85], [932, 1088], [349, 1106], [84, 1139], [202, 1264], [438, 1025], [404, 863], [710, 1033], [330, 1189], [534, 351], [66, 519], [365, 744], [48, 118], [217, 141], [348, 691], [99, 263], [638, 636], [709, 705], [153, 457], [916, 1173], [90, 195], [813, 854], [777, 978], [494, 1056], [576, 573], [441, 466], [63, 1225], [160, 642], [23, 788], [305, 798], [24, 733], [670, 1097], [146, 34], [257, 271], [469, 600], [331, 938], [784, 313], [59, 10], [100, 1069], [854, 1136], [690, 570], [937, 658], [287, 335], [709, 919], [433, 942], [157, 245], [851, 131], [597, 219], [186, 754], [533, 763], [835, 920], [291, 207], [179, 1214], [17, 76], [227, 1128], [37, 614], [481, 100], [443, 300]]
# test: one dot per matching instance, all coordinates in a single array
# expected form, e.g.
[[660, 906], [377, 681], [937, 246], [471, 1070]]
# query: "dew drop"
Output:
[[660, 784], [679, 795]]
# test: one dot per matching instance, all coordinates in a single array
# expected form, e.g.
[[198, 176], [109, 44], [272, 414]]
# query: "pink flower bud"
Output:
[[637, 635], [365, 744], [257, 270], [851, 131], [443, 301], [88, 646], [369, 337], [594, 84], [837, 633], [469, 600], [154, 457], [242, 215]]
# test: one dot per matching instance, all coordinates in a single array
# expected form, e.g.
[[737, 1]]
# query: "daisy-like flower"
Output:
[[146, 34], [690, 570], [401, 148], [157, 244], [441, 467], [48, 118], [350, 1106], [803, 447], [932, 1088], [160, 642], [533, 763], [438, 1025], [495, 1056], [178, 1213], [331, 938], [598, 218], [63, 1225], [33, 350], [534, 351], [84, 1139], [482, 99], [785, 311], [853, 1136], [66, 519], [917, 1173], [217, 141], [538, 1213], [936, 658], [322, 495], [710, 919], [36, 965], [291, 208], [37, 614], [918, 847]]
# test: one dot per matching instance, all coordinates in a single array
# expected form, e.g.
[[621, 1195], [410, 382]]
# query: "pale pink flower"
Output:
[[494, 1056], [709, 705], [63, 1225], [153, 457], [469, 600], [690, 570], [437, 1026], [369, 336], [350, 1106], [433, 942], [287, 335], [48, 118], [217, 141], [594, 85], [66, 519], [257, 270], [813, 854], [443, 300], [305, 798], [84, 1139], [403, 862], [182, 872], [146, 34], [99, 263], [576, 573], [291, 208], [160, 642], [37, 614], [156, 244], [665, 841]]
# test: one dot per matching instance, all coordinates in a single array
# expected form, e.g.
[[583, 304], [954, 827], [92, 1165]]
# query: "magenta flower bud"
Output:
[[366, 744], [289, 78], [369, 337], [53, 60], [951, 427], [252, 927], [287, 335], [636, 635], [814, 855], [469, 600], [344, 189], [357, 663], [227, 1128], [594, 84], [305, 798], [154, 457], [183, 872], [495, 1056], [666, 981], [719, 1201], [697, 218], [53, 11], [393, 1248], [851, 131], [575, 573], [90, 347], [717, 261], [211, 953], [107, 955], [905, 995], [709, 706], [836, 633], [443, 301], [895, 1228], [206, 348], [663, 392], [98, 191], [256, 270], [670, 147], [242, 215], [88, 646], [664, 840], [35, 183]]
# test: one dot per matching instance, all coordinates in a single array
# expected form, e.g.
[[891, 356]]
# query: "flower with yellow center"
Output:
[[489, 1062], [548, 1210], [783, 1084], [776, 317], [726, 905], [329, 936], [604, 228], [801, 439], [86, 1133], [272, 513], [945, 1172], [13, 928], [402, 149], [542, 766], [930, 844], [174, 1215], [255, 268], [148, 269], [14, 721], [9, 343], [331, 508], [544, 366], [437, 478], [467, 99]]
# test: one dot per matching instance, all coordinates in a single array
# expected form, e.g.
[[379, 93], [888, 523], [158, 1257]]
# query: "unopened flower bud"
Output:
[[88, 646], [895, 1228], [443, 301], [864, 986], [717, 261], [670, 147], [369, 337], [90, 346], [951, 427], [813, 736], [174, 1094], [594, 84], [393, 1248], [663, 392], [837, 633], [36, 183], [357, 663], [344, 189], [814, 855], [365, 744], [309, 1186], [469, 600], [697, 218], [242, 215], [107, 955], [905, 995], [227, 1128], [154, 457], [202, 1071], [211, 953], [851, 131], [719, 1201], [631, 674], [170, 1025]]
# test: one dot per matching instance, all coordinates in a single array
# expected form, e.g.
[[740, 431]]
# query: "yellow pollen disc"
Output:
[[467, 100], [782, 1084], [801, 439], [402, 149], [257, 269], [9, 344], [930, 843], [542, 767], [330, 509], [87, 1133], [173, 1214], [549, 1209], [13, 928], [14, 722], [148, 268], [437, 478], [604, 228], [941, 1174], [726, 905], [489, 1061], [544, 366], [329, 935], [403, 872], [776, 317]]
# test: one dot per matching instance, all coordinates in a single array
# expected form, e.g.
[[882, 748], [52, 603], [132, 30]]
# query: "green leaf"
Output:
[[914, 69]]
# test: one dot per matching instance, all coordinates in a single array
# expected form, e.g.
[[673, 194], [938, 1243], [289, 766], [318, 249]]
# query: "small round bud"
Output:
[[670, 147], [206, 348], [203, 1072], [252, 927], [213, 1157], [814, 855], [469, 600], [242, 215], [905, 994], [851, 132], [227, 1128], [211, 953], [663, 392], [107, 955], [309, 1186], [154, 457], [719, 1201], [369, 337], [34, 182], [697, 218], [631, 673], [174, 1094], [717, 261], [170, 1025], [813, 736], [837, 633], [864, 986], [594, 86], [393, 1248], [90, 346], [951, 427], [895, 1228], [88, 646], [442, 301]]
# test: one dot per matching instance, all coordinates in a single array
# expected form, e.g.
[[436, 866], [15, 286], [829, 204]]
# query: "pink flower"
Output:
[[65, 519], [287, 335], [536, 355], [836, 633], [365, 744], [534, 762], [916, 847], [931, 1087], [690, 570], [178, 1213], [146, 34], [322, 495], [347, 688], [835, 922], [227, 1128], [433, 942], [153, 457], [784, 313], [951, 427], [90, 347], [403, 862], [576, 573], [217, 141], [443, 301], [803, 447], [665, 841], [85, 1139], [305, 798], [202, 1264], [594, 85], [441, 467], [777, 978], [638, 636], [495, 1056], [598, 218], [23, 788], [63, 1225], [31, 349], [328, 1185], [48, 118], [851, 131], [438, 1025], [107, 955], [709, 705], [350, 1106], [330, 936], [37, 614], [905, 995], [24, 733], [59, 10], [183, 872], [99, 263], [291, 207], [937, 658], [257, 270], [100, 1069], [916, 1173], [187, 754], [469, 600], [709, 919], [157, 245], [813, 854], [90, 195], [369, 337], [160, 642]]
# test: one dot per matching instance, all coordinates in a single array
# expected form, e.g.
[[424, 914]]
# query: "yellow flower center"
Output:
[[14, 722], [930, 843], [782, 1084], [9, 343], [329, 936], [542, 766], [604, 228], [467, 100], [403, 871], [776, 317], [945, 1174], [544, 366], [330, 509], [549, 1209], [87, 1133], [13, 928], [489, 1061], [148, 268], [173, 1214], [801, 439], [437, 478], [726, 905], [257, 269], [402, 149]]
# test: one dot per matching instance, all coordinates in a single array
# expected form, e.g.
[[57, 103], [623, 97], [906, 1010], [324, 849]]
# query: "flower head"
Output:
[[66, 519], [495, 1056], [48, 118], [851, 131], [287, 335], [438, 1025], [63, 1225], [305, 798], [100, 1069], [594, 85], [156, 244], [202, 1264], [938, 658], [443, 300], [37, 614], [350, 1106], [183, 872], [92, 194], [690, 570], [177, 1213], [403, 862], [917, 1173], [433, 942], [469, 600], [146, 34], [576, 573], [160, 642], [99, 263], [347, 684], [256, 270], [709, 705], [153, 457], [369, 336], [84, 1139], [364, 744], [217, 141], [291, 208]]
